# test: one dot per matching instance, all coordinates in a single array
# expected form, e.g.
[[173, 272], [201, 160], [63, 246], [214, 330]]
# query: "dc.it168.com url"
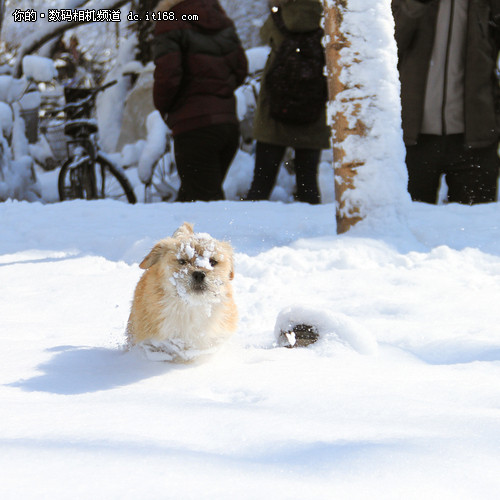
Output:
[[166, 15]]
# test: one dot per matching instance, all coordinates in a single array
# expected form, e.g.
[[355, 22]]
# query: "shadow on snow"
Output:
[[81, 369]]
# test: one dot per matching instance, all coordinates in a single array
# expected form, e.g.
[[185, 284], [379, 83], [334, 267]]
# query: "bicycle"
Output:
[[87, 173]]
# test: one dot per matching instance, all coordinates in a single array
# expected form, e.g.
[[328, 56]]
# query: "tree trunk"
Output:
[[2, 9], [345, 170], [364, 109]]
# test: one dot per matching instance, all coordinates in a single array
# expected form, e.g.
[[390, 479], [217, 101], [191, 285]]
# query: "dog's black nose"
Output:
[[198, 276]]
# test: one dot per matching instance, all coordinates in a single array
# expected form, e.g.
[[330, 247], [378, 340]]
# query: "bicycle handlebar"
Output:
[[105, 86], [82, 102]]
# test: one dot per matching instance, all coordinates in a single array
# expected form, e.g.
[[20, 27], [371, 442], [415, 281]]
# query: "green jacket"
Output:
[[299, 16]]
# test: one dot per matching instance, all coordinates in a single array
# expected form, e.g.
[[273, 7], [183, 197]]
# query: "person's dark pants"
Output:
[[470, 173], [268, 158], [203, 157]]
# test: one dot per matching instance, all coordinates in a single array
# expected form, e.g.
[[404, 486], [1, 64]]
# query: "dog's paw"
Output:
[[174, 351]]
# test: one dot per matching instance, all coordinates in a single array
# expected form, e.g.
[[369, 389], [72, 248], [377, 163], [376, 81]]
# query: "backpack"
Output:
[[295, 81]]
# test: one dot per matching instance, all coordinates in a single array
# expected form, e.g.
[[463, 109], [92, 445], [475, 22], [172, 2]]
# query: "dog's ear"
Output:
[[228, 250], [185, 230], [231, 270], [156, 253]]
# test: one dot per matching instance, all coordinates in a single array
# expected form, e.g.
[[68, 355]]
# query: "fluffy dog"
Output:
[[183, 304]]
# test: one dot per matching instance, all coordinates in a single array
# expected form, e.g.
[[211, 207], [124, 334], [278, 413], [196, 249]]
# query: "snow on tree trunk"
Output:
[[364, 110]]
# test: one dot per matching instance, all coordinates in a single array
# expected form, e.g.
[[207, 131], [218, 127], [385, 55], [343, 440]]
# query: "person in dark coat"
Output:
[[450, 96], [272, 136], [199, 62]]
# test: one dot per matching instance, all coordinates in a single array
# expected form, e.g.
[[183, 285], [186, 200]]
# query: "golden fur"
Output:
[[184, 300]]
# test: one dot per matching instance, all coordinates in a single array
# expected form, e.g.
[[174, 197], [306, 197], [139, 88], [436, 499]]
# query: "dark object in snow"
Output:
[[295, 81], [298, 336]]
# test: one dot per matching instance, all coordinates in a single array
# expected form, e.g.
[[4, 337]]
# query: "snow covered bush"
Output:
[[16, 175]]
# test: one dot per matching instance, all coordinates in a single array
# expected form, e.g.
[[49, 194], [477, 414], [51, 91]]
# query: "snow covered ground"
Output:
[[400, 397]]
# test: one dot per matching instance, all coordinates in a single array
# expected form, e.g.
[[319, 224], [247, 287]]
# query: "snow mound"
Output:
[[41, 69], [331, 327], [257, 57], [156, 143], [6, 119], [239, 177]]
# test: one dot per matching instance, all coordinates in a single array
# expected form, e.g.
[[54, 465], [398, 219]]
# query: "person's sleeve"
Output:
[[495, 23], [266, 30], [167, 56], [407, 14], [242, 68]]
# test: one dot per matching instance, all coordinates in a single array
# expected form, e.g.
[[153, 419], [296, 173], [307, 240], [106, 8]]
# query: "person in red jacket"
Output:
[[199, 62]]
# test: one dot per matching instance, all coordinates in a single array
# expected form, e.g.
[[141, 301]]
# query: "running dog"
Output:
[[183, 304]]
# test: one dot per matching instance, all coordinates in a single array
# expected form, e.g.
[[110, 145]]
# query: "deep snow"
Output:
[[417, 416], [399, 398]]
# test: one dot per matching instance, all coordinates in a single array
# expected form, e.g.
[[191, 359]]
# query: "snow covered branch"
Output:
[[52, 30]]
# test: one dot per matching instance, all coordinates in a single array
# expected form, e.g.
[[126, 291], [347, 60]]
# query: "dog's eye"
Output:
[[213, 262], [182, 262]]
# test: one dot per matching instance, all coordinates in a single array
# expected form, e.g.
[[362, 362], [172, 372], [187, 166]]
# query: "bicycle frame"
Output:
[[82, 148]]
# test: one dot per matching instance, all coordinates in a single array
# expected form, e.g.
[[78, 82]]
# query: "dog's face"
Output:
[[194, 266]]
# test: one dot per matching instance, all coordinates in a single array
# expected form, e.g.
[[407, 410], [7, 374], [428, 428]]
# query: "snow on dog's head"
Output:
[[195, 265]]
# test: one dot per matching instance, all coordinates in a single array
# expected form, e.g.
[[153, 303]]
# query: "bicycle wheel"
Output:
[[80, 178], [164, 182]]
